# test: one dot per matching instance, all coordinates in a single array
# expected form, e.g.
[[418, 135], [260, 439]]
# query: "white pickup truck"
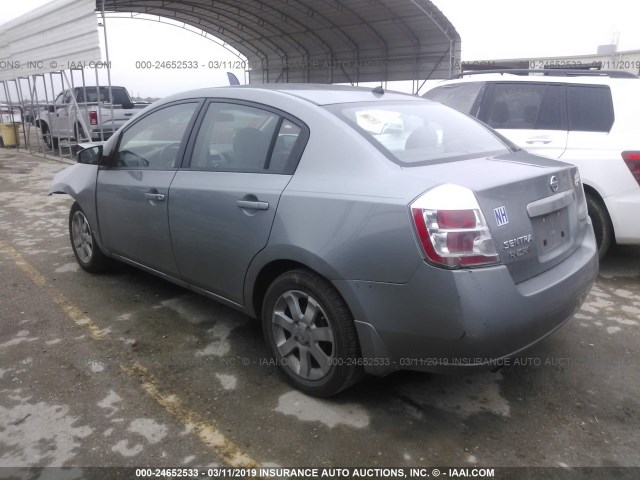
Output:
[[85, 114]]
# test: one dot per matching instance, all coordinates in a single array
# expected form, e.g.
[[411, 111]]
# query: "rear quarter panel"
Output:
[[345, 211]]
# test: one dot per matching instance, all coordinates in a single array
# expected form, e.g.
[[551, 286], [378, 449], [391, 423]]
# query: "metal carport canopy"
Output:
[[321, 41]]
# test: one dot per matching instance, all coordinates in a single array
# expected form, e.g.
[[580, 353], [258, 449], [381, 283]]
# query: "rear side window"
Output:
[[285, 146], [550, 114], [420, 132], [590, 108], [524, 106], [464, 97], [242, 138]]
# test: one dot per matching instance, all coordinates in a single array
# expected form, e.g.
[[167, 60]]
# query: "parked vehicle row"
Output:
[[370, 231], [588, 118]]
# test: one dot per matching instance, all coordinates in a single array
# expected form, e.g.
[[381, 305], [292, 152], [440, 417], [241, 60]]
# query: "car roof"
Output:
[[509, 77], [318, 94]]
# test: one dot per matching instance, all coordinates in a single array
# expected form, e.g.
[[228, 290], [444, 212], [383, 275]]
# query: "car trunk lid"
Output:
[[535, 208]]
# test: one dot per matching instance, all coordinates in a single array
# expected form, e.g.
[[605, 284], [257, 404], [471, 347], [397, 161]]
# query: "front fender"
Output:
[[75, 180], [79, 182]]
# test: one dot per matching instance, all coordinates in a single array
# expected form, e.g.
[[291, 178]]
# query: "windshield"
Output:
[[420, 132]]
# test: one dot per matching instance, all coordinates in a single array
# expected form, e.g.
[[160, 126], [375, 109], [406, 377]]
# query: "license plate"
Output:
[[551, 231]]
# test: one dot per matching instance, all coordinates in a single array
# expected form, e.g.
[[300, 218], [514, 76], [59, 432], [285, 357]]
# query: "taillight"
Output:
[[93, 118], [632, 159], [451, 228], [581, 198]]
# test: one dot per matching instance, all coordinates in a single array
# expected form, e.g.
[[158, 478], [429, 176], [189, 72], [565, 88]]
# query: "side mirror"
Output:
[[51, 108], [90, 156]]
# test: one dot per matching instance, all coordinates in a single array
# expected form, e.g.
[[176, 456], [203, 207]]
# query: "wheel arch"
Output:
[[270, 264], [79, 182], [589, 190], [603, 224]]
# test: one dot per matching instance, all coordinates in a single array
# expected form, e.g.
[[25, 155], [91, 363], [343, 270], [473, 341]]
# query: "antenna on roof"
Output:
[[378, 90], [233, 80]]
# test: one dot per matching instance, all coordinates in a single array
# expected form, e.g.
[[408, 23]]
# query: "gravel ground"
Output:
[[124, 369]]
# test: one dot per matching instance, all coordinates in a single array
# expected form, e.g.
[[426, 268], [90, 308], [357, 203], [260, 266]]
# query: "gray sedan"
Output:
[[370, 231]]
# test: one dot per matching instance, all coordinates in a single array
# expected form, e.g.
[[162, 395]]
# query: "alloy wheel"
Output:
[[81, 236], [303, 335]]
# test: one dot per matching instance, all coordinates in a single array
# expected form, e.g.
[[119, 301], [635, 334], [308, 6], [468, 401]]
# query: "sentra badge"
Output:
[[516, 242], [518, 246]]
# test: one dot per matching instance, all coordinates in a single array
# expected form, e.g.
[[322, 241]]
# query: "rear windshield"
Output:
[[416, 133], [120, 96]]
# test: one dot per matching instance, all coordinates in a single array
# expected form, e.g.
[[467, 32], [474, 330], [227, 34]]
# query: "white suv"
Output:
[[589, 118]]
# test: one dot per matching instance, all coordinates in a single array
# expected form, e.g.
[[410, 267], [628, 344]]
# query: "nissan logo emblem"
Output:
[[553, 183]]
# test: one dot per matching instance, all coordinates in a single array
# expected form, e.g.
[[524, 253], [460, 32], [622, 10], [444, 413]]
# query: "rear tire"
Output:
[[83, 242], [601, 221], [311, 334]]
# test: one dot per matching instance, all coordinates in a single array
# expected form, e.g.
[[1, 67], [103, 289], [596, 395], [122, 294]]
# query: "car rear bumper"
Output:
[[623, 210], [445, 320]]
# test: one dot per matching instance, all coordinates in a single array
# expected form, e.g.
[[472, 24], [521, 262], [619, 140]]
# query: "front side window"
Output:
[[417, 132], [154, 141], [590, 108], [236, 138]]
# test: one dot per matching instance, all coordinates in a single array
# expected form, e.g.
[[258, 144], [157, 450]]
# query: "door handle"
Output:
[[538, 140], [251, 205], [156, 197]]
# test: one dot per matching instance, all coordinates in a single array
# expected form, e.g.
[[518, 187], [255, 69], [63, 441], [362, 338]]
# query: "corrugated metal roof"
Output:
[[48, 38], [321, 41]]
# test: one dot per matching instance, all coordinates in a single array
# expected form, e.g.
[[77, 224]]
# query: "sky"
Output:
[[490, 29], [501, 29]]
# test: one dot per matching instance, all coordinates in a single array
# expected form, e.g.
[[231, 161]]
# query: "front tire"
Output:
[[47, 137], [85, 248], [311, 334], [78, 134], [602, 226]]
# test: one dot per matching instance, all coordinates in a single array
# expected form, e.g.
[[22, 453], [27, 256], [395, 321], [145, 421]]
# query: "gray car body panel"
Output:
[[133, 226], [345, 215], [466, 318], [215, 240]]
